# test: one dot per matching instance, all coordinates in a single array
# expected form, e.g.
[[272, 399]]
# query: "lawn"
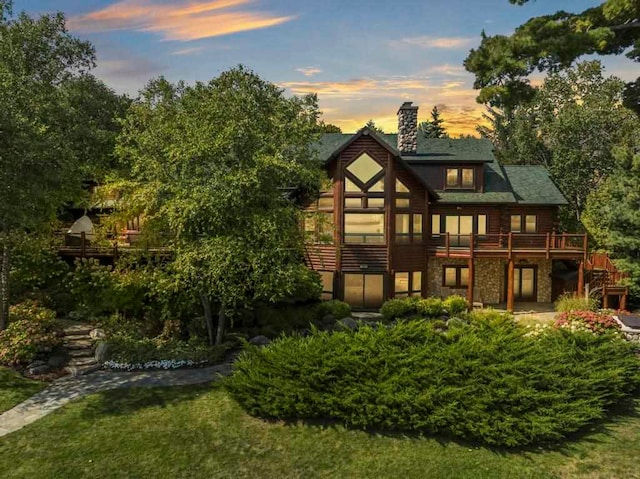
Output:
[[200, 432], [14, 388]]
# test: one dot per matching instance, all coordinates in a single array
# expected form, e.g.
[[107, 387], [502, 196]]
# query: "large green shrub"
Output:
[[32, 329], [486, 380], [455, 304], [430, 307], [399, 308], [338, 309]]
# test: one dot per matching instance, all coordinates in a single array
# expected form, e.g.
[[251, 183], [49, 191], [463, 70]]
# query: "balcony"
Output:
[[507, 245]]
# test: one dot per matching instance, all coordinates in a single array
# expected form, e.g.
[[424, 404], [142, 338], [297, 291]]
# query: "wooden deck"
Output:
[[508, 245]]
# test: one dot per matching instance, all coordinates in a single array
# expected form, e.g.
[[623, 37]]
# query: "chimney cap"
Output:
[[407, 105]]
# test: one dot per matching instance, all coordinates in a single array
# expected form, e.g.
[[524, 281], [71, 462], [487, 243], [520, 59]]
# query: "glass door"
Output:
[[460, 229], [364, 290], [524, 283]]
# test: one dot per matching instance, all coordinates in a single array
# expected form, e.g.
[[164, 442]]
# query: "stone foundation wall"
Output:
[[490, 278]]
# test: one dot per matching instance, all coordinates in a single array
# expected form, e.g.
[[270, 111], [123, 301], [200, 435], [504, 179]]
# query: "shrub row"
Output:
[[426, 308], [484, 379]]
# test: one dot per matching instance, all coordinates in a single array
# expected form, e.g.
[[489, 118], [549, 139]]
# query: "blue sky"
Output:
[[363, 58]]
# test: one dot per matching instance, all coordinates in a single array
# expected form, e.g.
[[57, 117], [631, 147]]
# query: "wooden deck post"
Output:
[[83, 244], [623, 302], [471, 272], [472, 276], [548, 244], [605, 297], [510, 279], [581, 279]]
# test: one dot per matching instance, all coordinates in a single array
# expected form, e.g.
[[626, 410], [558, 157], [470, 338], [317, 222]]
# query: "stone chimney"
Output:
[[408, 129]]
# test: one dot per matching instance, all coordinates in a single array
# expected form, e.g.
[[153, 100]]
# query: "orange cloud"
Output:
[[177, 21], [309, 71], [436, 42]]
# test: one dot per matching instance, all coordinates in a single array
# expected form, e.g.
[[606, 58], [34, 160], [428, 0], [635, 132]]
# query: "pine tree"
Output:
[[433, 128]]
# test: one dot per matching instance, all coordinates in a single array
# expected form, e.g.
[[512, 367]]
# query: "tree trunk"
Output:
[[4, 286], [208, 316], [222, 319]]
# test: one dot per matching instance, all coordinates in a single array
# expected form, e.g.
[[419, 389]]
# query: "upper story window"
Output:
[[460, 178], [403, 199], [364, 227], [364, 168], [318, 220], [524, 223]]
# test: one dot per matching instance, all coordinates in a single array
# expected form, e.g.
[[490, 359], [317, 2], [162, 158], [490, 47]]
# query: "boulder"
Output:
[[259, 341], [455, 322], [37, 363], [102, 352], [57, 361], [347, 323], [328, 318], [38, 370], [97, 334]]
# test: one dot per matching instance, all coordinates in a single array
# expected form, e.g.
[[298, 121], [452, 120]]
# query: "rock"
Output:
[[38, 370], [102, 352], [57, 361], [328, 318], [455, 322], [97, 334], [347, 323], [259, 341], [37, 363]]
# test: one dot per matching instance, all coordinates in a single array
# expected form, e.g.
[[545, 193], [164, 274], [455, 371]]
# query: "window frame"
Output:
[[459, 184], [523, 223], [364, 236], [458, 268], [327, 294], [413, 289]]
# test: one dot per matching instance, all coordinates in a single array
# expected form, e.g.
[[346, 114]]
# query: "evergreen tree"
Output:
[[433, 128]]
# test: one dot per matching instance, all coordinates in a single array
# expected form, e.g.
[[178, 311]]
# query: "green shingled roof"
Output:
[[526, 184], [429, 149], [532, 184]]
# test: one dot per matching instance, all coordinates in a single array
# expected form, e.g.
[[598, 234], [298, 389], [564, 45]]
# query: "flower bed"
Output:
[[158, 364], [596, 322]]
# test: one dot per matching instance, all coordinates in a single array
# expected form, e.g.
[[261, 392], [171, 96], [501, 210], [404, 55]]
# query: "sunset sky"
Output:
[[363, 58]]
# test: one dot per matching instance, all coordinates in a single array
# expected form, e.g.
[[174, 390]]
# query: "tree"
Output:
[[433, 128], [372, 126], [612, 214], [210, 168], [570, 126], [329, 128], [550, 43], [38, 166]]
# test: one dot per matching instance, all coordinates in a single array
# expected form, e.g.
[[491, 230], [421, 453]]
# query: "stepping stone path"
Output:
[[68, 388], [79, 346]]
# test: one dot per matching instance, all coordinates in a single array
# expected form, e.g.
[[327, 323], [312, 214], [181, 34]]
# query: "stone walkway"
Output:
[[69, 388]]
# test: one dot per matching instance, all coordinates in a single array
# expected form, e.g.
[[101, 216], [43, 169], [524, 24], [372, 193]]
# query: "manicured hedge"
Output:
[[487, 379]]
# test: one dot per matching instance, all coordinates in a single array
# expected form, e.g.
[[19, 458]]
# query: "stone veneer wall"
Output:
[[490, 278]]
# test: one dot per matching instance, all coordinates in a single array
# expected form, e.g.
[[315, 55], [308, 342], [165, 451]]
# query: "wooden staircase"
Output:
[[605, 279]]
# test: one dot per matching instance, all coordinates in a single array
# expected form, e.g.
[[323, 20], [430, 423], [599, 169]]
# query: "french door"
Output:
[[460, 229], [524, 283], [364, 290]]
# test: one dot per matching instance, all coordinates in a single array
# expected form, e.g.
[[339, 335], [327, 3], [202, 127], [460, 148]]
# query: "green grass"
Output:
[[14, 388], [200, 432]]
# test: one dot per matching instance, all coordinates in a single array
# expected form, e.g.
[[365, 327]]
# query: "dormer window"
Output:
[[460, 178]]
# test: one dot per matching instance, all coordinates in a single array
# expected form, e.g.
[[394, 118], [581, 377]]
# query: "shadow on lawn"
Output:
[[588, 435], [120, 402]]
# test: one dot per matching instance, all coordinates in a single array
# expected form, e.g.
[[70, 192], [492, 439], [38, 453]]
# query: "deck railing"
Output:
[[508, 243]]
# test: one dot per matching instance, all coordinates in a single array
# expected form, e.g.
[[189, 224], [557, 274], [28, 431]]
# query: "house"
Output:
[[407, 215]]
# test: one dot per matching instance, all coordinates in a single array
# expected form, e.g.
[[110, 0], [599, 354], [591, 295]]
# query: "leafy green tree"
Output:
[[612, 214], [570, 126], [433, 128], [39, 170], [211, 165], [549, 43], [329, 128]]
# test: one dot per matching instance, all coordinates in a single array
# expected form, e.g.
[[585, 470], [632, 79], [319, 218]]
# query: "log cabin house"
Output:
[[408, 215]]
